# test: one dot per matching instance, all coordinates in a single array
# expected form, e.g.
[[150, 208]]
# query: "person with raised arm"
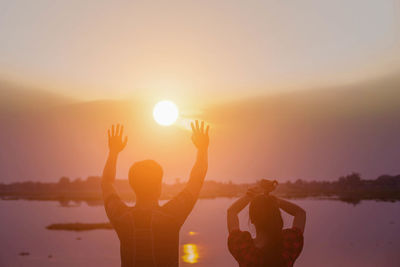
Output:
[[148, 232], [273, 246]]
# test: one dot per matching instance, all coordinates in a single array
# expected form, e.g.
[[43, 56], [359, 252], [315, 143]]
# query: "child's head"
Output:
[[265, 215]]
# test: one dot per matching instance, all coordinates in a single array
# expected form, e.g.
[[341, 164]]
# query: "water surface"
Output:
[[337, 234]]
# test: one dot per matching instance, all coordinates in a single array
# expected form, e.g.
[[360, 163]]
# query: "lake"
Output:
[[337, 234]]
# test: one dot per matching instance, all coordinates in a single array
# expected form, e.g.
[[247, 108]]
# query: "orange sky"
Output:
[[244, 66], [200, 49], [312, 135]]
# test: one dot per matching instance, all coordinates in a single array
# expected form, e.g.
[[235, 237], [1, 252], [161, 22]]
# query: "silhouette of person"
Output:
[[148, 232], [272, 246]]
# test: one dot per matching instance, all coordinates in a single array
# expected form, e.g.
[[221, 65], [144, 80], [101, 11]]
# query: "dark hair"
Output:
[[265, 215], [145, 178]]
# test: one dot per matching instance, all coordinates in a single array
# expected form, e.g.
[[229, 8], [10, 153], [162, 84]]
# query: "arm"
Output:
[[299, 214], [200, 139], [116, 145], [238, 206], [181, 205]]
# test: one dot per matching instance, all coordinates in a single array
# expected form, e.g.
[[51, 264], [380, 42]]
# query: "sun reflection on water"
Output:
[[191, 254]]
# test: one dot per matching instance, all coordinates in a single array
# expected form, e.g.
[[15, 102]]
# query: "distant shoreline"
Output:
[[98, 201], [350, 188]]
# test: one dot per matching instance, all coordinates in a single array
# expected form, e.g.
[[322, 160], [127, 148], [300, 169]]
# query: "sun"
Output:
[[165, 113]]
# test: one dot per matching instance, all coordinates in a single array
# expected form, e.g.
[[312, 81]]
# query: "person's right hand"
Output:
[[200, 135], [115, 143]]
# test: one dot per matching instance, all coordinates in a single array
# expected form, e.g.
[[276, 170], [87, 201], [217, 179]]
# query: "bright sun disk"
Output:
[[165, 113]]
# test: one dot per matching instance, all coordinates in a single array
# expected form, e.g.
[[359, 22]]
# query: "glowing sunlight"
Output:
[[191, 254], [192, 233], [165, 113]]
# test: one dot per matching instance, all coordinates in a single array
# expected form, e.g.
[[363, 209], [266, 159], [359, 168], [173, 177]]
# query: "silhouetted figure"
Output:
[[273, 246], [149, 233]]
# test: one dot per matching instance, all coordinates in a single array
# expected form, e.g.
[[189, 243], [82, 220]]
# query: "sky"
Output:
[[292, 89], [199, 49]]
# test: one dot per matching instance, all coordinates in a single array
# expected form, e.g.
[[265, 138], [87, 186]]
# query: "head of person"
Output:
[[266, 216], [145, 178]]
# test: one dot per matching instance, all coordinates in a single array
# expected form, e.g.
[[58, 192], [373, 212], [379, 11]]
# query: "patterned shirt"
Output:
[[243, 249], [149, 237]]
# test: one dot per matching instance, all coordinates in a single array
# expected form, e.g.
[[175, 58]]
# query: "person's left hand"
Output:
[[200, 136]]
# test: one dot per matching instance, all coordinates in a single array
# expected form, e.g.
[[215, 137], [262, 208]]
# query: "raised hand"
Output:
[[200, 135], [115, 143]]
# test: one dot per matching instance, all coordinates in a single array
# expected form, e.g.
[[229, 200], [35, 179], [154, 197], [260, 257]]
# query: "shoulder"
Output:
[[185, 196], [114, 202], [117, 211], [179, 206], [111, 198], [181, 202]]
